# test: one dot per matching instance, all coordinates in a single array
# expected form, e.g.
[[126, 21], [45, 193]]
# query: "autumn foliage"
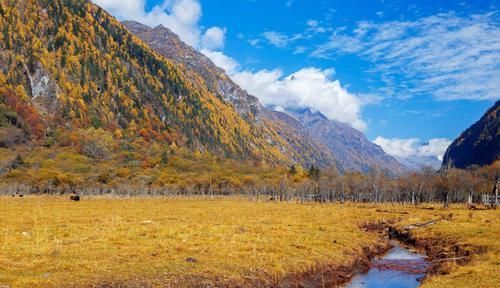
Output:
[[68, 65]]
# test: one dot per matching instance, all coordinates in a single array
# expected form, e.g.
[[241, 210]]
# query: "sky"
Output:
[[411, 75]]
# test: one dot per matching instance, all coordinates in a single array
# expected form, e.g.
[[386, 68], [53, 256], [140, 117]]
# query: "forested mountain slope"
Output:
[[479, 144], [70, 71]]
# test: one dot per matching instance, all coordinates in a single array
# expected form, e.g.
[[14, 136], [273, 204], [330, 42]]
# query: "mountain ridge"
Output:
[[350, 147]]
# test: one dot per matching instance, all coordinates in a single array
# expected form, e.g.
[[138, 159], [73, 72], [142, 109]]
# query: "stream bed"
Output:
[[399, 268]]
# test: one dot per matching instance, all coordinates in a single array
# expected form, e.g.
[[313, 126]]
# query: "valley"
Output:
[[141, 155]]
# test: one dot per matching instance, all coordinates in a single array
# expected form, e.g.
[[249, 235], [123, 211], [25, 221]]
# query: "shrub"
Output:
[[95, 143], [10, 136]]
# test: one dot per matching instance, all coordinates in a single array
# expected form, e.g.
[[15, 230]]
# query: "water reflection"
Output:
[[400, 268]]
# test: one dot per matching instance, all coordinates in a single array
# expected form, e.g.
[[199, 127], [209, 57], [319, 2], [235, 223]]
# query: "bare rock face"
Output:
[[314, 152], [43, 90], [350, 147]]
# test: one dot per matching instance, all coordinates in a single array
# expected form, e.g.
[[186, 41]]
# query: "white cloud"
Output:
[[313, 28], [277, 39], [446, 55], [312, 23], [396, 147], [435, 147], [413, 147], [223, 61], [213, 39], [181, 16], [121, 8], [299, 50], [254, 42], [282, 40], [308, 87]]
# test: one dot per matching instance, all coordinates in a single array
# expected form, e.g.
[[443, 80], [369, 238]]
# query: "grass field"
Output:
[[52, 242]]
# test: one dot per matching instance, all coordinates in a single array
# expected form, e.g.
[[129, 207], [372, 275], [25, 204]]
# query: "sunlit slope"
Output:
[[69, 65]]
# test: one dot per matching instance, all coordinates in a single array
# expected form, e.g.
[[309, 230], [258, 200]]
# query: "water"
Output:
[[399, 268]]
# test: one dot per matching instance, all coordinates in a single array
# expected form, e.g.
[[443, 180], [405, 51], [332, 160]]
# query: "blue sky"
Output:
[[397, 70]]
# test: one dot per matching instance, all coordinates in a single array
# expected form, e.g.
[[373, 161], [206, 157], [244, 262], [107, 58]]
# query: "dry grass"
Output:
[[49, 241], [476, 228]]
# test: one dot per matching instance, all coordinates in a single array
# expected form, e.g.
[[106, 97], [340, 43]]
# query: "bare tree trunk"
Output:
[[211, 190], [497, 184], [445, 200], [375, 198]]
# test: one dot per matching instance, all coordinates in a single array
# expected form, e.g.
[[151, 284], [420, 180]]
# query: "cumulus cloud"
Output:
[[435, 147], [309, 87], [213, 39], [446, 55], [223, 61], [413, 147], [181, 16]]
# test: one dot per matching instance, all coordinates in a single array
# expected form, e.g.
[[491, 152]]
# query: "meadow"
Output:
[[157, 242]]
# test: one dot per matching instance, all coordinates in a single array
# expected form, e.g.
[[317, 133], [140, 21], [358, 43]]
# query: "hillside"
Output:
[[294, 142], [350, 147], [479, 144], [68, 66]]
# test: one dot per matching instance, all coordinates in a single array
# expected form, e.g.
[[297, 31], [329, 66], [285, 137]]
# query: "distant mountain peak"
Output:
[[350, 147]]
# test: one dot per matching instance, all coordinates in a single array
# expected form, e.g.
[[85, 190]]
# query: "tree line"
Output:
[[204, 175]]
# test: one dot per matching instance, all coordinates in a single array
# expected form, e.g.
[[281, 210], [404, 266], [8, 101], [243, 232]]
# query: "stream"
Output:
[[399, 268]]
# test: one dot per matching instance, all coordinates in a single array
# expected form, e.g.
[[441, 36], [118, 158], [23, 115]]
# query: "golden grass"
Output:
[[49, 241], [477, 228]]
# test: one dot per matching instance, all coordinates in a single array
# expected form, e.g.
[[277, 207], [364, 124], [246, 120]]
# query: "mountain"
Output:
[[294, 140], [479, 144], [68, 67], [351, 149], [329, 141]]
